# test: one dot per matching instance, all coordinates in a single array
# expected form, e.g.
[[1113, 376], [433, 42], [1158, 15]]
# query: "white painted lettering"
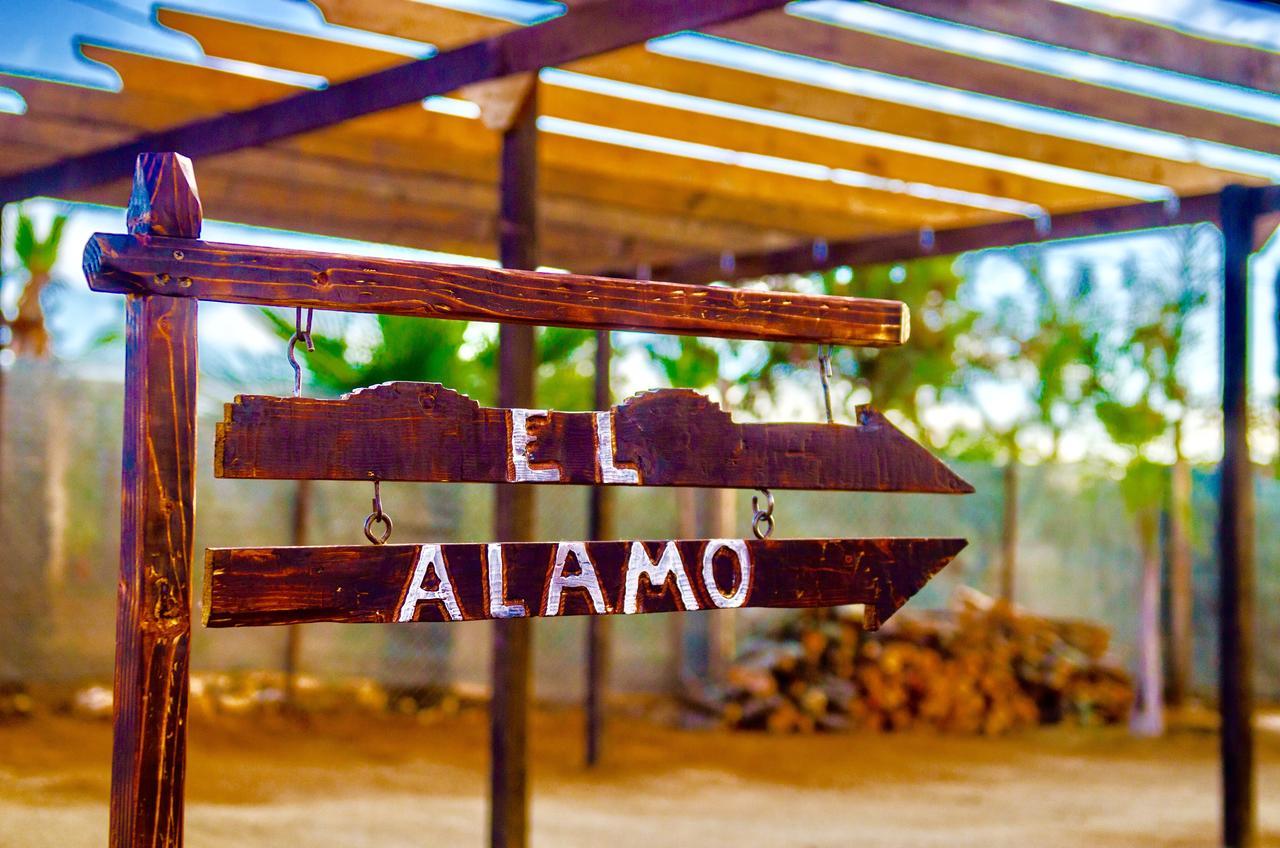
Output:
[[610, 473], [497, 571], [430, 556], [668, 565], [739, 595], [585, 579], [524, 473]]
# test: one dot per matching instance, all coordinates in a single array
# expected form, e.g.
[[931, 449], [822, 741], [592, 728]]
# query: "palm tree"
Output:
[[27, 335]]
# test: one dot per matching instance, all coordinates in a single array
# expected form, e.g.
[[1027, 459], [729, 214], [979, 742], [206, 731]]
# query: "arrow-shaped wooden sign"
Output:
[[671, 437], [467, 582]]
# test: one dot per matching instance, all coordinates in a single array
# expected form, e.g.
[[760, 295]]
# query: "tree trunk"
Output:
[[1180, 585], [1148, 712], [293, 633], [57, 451], [1009, 531]]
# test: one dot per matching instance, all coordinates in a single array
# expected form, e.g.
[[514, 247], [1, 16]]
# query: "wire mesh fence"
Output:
[[1078, 557]]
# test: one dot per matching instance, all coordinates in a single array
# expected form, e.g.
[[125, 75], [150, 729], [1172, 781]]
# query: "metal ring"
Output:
[[375, 518], [762, 518]]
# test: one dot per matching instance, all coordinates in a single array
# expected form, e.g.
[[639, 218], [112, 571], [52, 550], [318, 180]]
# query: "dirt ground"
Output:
[[395, 781]]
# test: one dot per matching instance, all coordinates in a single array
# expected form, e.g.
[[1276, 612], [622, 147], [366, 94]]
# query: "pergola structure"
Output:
[[635, 160]]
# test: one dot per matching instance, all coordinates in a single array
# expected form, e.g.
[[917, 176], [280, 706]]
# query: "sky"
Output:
[[39, 38]]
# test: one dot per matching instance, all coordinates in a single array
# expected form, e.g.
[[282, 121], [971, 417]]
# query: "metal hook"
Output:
[[824, 372], [377, 517], [762, 516], [304, 336]]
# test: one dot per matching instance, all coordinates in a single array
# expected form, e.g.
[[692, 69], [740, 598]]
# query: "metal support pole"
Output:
[[601, 520], [1236, 529], [513, 505]]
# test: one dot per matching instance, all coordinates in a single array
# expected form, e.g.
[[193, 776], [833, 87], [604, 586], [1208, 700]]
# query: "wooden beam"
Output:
[[244, 42], [384, 150], [1112, 35], [792, 34], [272, 276], [511, 582], [670, 437], [438, 25], [593, 28], [638, 65], [1236, 530], [514, 506], [901, 247], [300, 52], [153, 610]]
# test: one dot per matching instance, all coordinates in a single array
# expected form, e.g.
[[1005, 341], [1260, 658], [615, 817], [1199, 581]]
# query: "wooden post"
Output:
[[153, 612], [1236, 529], [602, 527], [293, 635], [513, 506]]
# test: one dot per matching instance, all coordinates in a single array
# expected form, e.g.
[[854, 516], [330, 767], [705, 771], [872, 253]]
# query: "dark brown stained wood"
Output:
[[513, 506], [913, 244], [277, 277], [900, 247], [670, 437], [592, 28], [392, 583], [153, 613], [1237, 530]]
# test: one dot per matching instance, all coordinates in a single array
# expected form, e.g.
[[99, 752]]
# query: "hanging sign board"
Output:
[[671, 437], [468, 582]]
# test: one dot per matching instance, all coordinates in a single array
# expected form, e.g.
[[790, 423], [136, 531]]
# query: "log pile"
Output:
[[980, 668]]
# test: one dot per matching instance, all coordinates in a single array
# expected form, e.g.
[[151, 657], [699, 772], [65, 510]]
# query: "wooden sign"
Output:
[[672, 437], [469, 582], [267, 276]]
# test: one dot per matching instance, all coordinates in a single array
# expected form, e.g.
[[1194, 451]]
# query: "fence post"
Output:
[[1236, 528], [601, 527], [513, 506], [153, 609]]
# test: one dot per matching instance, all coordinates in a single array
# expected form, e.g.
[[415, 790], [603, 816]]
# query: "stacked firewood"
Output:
[[980, 668]]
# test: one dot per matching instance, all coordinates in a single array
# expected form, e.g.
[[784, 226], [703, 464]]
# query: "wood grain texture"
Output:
[[153, 614], [391, 583], [670, 437], [277, 277], [593, 28], [1236, 531]]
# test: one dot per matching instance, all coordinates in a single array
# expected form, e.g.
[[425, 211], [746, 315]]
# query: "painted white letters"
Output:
[[668, 565], [496, 570], [520, 449], [585, 579], [610, 473], [739, 596], [430, 556]]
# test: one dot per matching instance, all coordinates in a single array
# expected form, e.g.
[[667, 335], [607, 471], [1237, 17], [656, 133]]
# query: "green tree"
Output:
[[1144, 397], [1037, 347]]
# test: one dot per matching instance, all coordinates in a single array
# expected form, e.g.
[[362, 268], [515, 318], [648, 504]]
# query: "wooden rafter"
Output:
[[592, 28]]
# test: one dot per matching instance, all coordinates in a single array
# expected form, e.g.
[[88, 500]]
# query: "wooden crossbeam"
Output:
[[914, 244], [672, 437], [276, 277], [470, 582], [591, 28], [1111, 35]]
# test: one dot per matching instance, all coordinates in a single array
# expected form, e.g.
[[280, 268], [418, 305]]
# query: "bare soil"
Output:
[[396, 781]]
